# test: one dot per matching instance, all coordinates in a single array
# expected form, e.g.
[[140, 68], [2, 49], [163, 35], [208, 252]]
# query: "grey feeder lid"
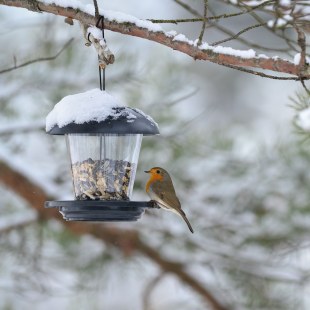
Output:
[[141, 124], [94, 112]]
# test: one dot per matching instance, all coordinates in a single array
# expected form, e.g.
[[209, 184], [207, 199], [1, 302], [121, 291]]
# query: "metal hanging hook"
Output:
[[101, 70]]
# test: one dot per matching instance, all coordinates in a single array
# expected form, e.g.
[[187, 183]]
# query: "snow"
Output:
[[110, 15], [171, 33], [270, 23], [230, 51], [285, 2], [288, 17], [297, 59], [125, 18], [182, 38], [303, 119], [92, 105], [279, 23], [97, 34], [153, 123]]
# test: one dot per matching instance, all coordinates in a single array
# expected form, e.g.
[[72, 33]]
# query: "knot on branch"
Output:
[[93, 36], [33, 5]]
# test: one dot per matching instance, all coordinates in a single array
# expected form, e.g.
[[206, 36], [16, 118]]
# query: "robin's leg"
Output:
[[154, 204]]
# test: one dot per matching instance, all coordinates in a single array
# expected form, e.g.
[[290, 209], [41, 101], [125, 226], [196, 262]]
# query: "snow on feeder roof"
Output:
[[96, 111]]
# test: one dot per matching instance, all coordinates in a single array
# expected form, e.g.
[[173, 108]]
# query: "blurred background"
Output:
[[227, 138]]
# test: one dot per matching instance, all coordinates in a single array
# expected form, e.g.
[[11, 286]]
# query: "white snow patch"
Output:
[[182, 38], [297, 59], [288, 17], [97, 34], [285, 2], [263, 56], [281, 22], [270, 23], [230, 51], [92, 105], [125, 18], [171, 33], [303, 119]]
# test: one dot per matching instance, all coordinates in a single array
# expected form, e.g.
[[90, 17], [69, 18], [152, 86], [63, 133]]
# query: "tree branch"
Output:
[[148, 290], [130, 28], [27, 63], [203, 28], [201, 19], [229, 32], [235, 36], [128, 241]]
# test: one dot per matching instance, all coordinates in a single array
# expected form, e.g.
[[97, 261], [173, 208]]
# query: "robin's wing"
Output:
[[168, 197], [175, 205], [170, 201]]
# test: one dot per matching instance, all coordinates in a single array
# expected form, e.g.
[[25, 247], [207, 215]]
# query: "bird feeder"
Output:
[[103, 141]]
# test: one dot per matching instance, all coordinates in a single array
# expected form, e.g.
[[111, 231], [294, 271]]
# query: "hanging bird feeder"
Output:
[[103, 140]]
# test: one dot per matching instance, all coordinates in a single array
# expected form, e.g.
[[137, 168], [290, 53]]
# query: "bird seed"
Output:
[[101, 179]]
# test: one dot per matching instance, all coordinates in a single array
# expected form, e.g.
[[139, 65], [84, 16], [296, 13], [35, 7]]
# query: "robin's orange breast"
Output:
[[154, 178]]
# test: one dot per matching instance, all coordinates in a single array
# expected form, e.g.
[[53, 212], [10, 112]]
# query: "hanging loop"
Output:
[[101, 19], [97, 39]]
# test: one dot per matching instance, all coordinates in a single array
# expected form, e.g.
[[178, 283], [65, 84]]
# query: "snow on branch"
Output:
[[130, 25]]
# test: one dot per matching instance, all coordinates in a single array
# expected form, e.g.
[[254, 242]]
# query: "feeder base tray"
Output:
[[99, 210]]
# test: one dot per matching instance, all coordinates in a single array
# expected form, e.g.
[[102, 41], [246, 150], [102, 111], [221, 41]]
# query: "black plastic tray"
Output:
[[99, 210]]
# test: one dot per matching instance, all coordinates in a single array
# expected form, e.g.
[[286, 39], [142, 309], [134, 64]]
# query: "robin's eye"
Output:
[[157, 171]]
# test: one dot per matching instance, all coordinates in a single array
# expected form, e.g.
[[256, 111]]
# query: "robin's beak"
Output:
[[147, 171]]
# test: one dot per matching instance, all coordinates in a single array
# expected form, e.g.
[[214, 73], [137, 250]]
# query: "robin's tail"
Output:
[[182, 213]]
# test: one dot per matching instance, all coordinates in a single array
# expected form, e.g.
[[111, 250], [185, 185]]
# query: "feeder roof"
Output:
[[96, 111]]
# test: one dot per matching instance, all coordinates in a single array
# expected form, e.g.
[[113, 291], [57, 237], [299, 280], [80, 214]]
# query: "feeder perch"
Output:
[[103, 141]]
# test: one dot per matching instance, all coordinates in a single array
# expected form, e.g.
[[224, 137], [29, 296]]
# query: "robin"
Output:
[[161, 190]]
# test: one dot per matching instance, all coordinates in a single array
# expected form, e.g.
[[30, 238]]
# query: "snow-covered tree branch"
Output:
[[289, 17]]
